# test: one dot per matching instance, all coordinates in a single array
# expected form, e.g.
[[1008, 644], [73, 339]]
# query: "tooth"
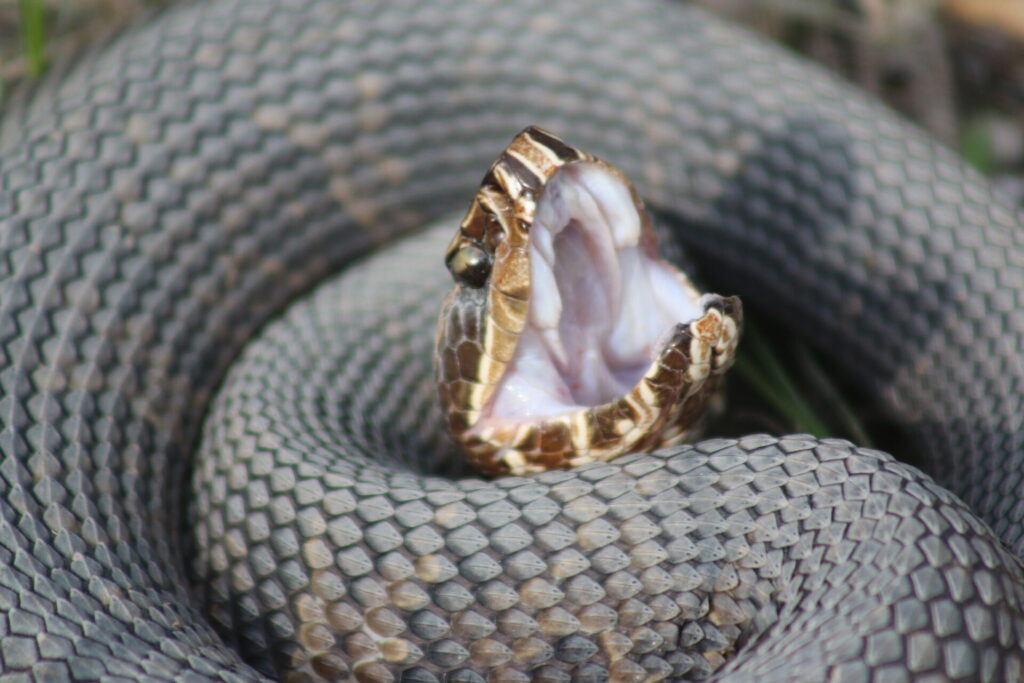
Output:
[[616, 204], [595, 378], [588, 214], [672, 298], [545, 299], [543, 242], [544, 217], [639, 314], [553, 341], [625, 345], [585, 208], [551, 211]]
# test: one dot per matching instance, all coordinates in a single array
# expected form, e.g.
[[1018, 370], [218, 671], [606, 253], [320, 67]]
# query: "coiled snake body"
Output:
[[186, 184]]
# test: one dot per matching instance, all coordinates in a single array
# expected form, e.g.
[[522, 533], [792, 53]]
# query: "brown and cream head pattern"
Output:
[[566, 339]]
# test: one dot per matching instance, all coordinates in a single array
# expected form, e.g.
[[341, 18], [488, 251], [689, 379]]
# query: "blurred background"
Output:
[[954, 66]]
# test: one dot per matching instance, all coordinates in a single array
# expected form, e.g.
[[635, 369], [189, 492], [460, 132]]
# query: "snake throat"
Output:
[[567, 340]]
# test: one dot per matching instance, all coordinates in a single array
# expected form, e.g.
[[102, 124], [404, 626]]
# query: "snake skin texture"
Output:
[[179, 189]]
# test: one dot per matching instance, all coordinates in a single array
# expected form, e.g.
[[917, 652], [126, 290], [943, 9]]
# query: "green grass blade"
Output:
[[33, 35], [823, 385], [758, 364], [976, 146]]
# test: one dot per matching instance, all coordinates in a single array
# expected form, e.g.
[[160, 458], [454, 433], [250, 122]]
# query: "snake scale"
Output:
[[186, 183]]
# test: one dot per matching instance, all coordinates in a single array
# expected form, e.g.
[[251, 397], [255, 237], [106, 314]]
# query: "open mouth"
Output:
[[567, 340], [601, 307]]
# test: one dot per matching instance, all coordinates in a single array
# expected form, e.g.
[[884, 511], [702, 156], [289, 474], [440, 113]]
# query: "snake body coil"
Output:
[[182, 187]]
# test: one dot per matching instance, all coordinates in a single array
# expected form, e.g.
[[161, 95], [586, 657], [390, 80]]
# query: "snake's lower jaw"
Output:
[[597, 365], [666, 403]]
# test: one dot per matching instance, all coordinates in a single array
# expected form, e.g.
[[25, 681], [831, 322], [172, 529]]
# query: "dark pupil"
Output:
[[471, 266]]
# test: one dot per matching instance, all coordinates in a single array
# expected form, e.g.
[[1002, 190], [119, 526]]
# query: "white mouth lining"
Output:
[[599, 309]]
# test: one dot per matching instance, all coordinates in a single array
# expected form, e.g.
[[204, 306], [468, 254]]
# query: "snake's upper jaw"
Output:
[[614, 348]]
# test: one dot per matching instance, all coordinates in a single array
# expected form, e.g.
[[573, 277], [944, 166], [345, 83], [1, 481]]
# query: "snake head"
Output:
[[566, 339], [495, 231]]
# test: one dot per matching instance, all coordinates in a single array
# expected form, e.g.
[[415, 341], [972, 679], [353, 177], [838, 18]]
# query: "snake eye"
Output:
[[470, 265]]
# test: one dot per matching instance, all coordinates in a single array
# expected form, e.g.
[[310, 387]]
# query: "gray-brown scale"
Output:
[[182, 186]]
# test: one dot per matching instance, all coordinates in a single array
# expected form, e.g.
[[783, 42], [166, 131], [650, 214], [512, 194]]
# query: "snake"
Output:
[[566, 339], [177, 343]]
